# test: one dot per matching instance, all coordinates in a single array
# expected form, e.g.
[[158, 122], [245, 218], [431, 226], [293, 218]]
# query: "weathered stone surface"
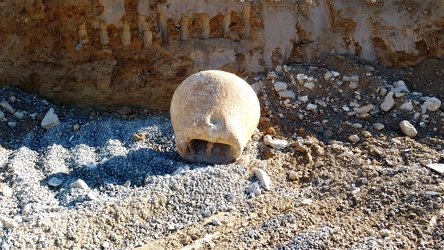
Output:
[[136, 52], [214, 114]]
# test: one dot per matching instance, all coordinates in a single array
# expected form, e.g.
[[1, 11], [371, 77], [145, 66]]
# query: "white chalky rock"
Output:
[[50, 119], [7, 107], [214, 114], [407, 106], [279, 86], [264, 179], [81, 184], [335, 73], [388, 103], [408, 129], [7, 191], [301, 77], [431, 104], [328, 75], [275, 143], [287, 94], [363, 109], [353, 138]]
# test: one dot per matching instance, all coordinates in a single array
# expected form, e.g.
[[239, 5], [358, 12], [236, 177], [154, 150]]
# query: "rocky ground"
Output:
[[344, 173]]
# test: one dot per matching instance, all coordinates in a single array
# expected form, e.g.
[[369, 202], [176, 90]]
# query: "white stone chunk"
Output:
[[264, 179], [438, 167], [388, 103], [275, 143], [50, 119], [280, 86], [408, 129], [5, 105], [431, 104], [328, 75]]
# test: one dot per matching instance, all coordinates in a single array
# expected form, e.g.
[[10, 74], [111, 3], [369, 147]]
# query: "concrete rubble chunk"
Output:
[[408, 129], [264, 179], [50, 120]]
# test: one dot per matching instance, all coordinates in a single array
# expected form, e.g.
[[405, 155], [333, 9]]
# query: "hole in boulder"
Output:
[[210, 152]]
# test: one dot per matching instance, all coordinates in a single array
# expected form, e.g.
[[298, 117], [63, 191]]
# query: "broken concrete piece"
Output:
[[50, 119], [214, 114]]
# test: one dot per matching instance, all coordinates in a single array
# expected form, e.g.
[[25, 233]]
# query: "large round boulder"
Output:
[[214, 114]]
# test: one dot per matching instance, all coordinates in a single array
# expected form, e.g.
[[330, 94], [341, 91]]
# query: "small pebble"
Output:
[[287, 94], [366, 134], [19, 115], [353, 138], [309, 85], [275, 143], [50, 119], [378, 126], [55, 182], [12, 124], [12, 98], [293, 176], [2, 115], [328, 75], [215, 221], [384, 233], [5, 105], [76, 127], [318, 164], [363, 109], [407, 106], [254, 189], [388, 103], [280, 86], [7, 191], [408, 129]]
